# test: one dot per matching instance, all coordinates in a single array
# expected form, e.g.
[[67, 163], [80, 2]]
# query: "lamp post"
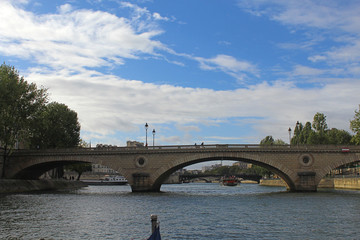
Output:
[[289, 136], [298, 132], [146, 128], [153, 137]]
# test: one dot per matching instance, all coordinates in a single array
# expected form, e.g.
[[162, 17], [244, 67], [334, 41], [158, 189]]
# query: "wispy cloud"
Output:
[[73, 39], [230, 65], [331, 17]]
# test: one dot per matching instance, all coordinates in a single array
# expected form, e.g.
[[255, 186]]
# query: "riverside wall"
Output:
[[18, 186], [338, 183]]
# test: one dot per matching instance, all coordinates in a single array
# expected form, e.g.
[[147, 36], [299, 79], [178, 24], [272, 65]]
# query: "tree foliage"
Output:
[[318, 133], [56, 127], [20, 102], [355, 127], [234, 170], [269, 140], [26, 117], [319, 122]]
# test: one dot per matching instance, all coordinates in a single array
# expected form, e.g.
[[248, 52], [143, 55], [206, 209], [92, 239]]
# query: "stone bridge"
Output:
[[146, 168]]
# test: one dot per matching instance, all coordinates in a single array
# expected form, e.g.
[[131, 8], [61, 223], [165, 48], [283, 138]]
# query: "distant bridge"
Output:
[[146, 168], [185, 176]]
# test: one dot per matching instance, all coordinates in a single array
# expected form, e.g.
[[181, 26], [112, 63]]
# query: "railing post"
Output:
[[153, 222]]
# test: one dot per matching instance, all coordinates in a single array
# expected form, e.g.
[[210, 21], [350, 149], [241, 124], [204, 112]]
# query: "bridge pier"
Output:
[[306, 182], [141, 183], [144, 189]]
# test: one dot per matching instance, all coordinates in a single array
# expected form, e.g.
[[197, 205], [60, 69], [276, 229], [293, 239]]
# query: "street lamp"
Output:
[[146, 128], [289, 136], [298, 132], [153, 137]]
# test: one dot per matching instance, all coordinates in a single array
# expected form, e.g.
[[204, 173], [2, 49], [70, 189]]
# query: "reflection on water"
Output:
[[186, 211]]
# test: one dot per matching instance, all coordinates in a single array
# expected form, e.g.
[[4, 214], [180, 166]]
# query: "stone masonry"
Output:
[[146, 168]]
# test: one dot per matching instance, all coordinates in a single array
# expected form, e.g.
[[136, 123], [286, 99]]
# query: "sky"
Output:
[[212, 71]]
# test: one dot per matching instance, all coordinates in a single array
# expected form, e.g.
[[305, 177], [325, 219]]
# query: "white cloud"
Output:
[[73, 39], [300, 70], [325, 14], [107, 104], [157, 16], [229, 65], [65, 8]]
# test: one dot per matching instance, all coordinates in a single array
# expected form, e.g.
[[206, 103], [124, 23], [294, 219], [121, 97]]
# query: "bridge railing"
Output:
[[229, 146], [204, 147]]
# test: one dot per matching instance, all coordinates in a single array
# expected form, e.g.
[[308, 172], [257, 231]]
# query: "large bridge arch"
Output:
[[33, 166], [34, 172], [164, 172], [334, 161]]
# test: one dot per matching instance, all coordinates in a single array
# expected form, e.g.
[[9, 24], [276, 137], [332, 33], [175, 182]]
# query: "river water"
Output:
[[185, 211]]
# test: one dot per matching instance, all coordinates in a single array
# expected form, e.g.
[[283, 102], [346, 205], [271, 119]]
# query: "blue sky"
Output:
[[209, 71]]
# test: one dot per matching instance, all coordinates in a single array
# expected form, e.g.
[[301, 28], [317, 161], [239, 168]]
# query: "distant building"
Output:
[[134, 144], [97, 168], [243, 165]]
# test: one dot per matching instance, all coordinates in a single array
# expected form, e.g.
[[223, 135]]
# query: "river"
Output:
[[185, 211]]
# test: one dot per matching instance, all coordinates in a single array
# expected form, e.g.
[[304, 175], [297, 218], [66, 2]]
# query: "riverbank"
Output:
[[18, 186], [337, 183]]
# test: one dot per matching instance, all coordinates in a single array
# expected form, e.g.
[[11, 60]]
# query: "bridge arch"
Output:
[[337, 162], [34, 172], [34, 168], [163, 173]]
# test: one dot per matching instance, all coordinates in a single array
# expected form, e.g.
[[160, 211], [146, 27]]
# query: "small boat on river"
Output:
[[229, 181], [108, 180]]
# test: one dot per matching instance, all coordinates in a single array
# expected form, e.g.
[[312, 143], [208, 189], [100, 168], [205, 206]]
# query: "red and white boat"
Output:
[[229, 181]]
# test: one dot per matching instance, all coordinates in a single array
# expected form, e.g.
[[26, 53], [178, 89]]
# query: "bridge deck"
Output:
[[193, 148]]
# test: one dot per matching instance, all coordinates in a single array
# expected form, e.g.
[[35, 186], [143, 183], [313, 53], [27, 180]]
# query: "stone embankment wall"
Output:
[[347, 183], [340, 183], [273, 182], [17, 186]]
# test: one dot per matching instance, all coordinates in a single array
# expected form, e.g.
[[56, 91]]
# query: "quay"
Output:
[[339, 182]]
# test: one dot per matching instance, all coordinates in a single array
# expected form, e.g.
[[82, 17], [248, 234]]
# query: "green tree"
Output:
[[320, 134], [336, 136], [259, 171], [279, 142], [297, 139], [320, 126], [268, 140], [319, 122], [56, 127], [20, 102], [306, 133], [355, 127]]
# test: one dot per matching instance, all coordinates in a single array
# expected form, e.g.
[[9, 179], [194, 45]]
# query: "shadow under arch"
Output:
[[163, 176], [34, 172]]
